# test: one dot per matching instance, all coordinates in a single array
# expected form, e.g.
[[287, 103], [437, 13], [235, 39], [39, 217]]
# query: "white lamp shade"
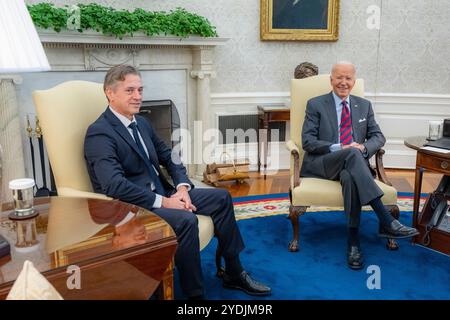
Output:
[[20, 47]]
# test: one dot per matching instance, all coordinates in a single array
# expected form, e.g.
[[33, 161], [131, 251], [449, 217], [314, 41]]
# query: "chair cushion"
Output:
[[205, 230], [322, 192], [31, 285]]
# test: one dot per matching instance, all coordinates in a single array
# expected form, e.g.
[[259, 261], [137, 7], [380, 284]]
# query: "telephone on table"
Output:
[[440, 208]]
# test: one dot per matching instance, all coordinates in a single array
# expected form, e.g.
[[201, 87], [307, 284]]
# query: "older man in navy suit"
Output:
[[123, 156], [339, 136]]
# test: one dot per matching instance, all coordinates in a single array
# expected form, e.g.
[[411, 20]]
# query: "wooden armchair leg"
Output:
[[391, 243], [294, 214]]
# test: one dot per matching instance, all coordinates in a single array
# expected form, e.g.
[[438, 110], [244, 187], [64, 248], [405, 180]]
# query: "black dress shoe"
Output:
[[396, 230], [355, 257], [245, 283]]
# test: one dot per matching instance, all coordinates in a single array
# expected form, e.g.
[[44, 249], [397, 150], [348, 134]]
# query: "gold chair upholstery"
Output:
[[306, 192], [65, 112]]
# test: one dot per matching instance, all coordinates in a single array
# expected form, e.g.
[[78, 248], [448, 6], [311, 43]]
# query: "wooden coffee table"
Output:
[[122, 251]]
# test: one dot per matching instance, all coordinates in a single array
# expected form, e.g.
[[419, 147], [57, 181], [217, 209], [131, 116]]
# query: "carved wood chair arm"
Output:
[[295, 157], [381, 174]]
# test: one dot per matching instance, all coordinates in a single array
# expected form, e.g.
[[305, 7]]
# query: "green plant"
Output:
[[119, 23]]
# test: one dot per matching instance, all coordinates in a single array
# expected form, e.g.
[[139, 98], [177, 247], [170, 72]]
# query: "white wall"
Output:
[[410, 53]]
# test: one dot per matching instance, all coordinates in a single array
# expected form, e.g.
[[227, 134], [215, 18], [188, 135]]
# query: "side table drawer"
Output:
[[280, 116], [434, 163]]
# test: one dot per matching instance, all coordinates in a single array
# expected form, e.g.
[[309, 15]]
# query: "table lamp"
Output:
[[21, 51]]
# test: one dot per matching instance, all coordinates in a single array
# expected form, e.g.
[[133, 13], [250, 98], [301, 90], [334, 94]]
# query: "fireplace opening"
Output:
[[163, 117]]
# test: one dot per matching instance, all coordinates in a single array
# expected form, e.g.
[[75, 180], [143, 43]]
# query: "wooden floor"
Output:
[[402, 180]]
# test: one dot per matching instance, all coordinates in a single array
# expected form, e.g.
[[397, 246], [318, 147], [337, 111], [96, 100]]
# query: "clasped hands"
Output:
[[356, 145], [179, 200]]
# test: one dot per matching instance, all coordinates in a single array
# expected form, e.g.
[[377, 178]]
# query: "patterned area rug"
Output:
[[274, 204]]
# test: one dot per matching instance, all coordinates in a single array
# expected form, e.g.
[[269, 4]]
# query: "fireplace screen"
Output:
[[164, 118]]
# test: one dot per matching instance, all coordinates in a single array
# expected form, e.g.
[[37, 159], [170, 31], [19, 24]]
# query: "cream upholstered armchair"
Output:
[[65, 112], [306, 192]]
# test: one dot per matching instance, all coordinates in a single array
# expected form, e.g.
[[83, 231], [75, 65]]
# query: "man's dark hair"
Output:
[[118, 73], [305, 69]]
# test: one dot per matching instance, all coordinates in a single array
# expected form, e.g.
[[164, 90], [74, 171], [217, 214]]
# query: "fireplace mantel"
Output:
[[72, 51], [94, 51], [92, 37]]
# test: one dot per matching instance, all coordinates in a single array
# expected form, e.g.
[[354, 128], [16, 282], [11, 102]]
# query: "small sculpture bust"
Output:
[[305, 69]]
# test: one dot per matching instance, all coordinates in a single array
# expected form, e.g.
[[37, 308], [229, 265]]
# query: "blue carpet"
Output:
[[319, 270]]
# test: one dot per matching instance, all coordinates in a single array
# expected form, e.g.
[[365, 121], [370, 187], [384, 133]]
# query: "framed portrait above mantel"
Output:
[[299, 20]]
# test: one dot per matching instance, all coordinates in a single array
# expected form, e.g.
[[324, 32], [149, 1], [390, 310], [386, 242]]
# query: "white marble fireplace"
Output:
[[172, 68]]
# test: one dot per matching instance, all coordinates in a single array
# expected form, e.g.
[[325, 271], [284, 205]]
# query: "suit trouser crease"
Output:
[[352, 205], [217, 204]]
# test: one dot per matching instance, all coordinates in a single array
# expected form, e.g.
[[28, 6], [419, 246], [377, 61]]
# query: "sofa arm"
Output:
[[70, 192], [295, 163]]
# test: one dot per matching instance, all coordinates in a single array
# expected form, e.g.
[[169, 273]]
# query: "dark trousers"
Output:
[[217, 204], [352, 170]]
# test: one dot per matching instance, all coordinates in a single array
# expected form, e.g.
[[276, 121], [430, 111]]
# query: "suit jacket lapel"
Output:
[[331, 108], [355, 113], [148, 143], [121, 130]]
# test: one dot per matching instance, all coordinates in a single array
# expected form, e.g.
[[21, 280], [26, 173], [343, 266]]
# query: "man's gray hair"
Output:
[[343, 62], [118, 73]]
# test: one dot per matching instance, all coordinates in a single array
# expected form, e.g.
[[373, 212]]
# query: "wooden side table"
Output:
[[267, 114], [427, 160], [122, 251]]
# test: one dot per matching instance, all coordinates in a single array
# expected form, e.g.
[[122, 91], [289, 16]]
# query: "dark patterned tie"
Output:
[[155, 179], [345, 131]]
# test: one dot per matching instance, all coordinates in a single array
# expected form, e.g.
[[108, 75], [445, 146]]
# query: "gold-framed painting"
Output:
[[299, 20]]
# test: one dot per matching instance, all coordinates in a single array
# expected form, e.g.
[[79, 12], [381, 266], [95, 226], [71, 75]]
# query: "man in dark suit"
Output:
[[123, 156], [339, 136]]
